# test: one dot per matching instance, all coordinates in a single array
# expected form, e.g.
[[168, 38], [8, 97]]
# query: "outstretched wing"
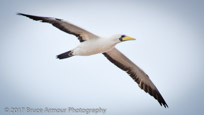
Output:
[[67, 27], [121, 61]]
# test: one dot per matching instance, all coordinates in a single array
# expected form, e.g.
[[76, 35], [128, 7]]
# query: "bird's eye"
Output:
[[122, 36]]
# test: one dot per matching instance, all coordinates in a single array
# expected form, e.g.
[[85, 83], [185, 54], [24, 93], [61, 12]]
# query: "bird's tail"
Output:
[[65, 55]]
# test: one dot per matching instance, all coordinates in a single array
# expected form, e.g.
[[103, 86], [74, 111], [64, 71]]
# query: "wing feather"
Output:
[[137, 74], [67, 27]]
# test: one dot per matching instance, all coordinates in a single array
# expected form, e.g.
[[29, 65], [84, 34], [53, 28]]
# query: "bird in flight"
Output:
[[93, 44]]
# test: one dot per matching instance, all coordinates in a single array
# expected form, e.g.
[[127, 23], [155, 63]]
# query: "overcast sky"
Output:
[[169, 48]]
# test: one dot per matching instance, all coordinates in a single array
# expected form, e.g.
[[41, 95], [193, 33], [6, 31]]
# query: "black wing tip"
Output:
[[18, 13], [36, 18], [26, 15], [164, 104], [22, 14], [155, 93], [161, 101]]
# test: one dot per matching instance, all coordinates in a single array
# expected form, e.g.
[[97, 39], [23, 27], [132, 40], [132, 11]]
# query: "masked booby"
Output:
[[93, 44]]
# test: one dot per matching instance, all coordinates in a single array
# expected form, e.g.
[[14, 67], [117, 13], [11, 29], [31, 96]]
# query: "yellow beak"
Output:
[[128, 38]]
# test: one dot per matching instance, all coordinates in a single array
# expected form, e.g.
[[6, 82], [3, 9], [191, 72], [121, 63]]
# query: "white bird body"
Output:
[[95, 46]]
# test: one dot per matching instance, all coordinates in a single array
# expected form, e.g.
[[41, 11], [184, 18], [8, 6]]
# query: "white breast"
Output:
[[94, 46]]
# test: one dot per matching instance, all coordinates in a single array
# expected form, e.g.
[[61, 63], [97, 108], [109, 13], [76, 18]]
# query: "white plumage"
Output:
[[98, 45]]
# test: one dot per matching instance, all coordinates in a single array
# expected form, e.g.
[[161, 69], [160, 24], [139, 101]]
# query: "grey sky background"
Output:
[[169, 48]]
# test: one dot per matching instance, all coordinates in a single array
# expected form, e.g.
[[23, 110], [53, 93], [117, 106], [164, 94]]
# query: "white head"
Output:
[[121, 37]]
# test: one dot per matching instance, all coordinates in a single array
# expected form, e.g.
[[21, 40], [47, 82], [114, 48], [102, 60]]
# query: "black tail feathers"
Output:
[[65, 55]]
